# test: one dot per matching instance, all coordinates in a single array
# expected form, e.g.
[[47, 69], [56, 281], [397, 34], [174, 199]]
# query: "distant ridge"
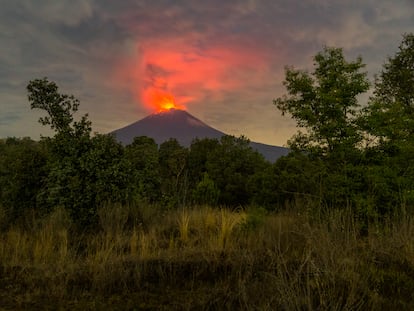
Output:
[[184, 127]]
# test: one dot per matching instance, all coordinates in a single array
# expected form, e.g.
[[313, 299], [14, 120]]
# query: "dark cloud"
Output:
[[224, 58]]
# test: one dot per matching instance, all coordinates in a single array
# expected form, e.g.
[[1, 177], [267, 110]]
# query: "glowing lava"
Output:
[[166, 102], [161, 100]]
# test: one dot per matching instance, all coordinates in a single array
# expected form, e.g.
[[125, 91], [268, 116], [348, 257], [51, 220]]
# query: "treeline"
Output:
[[85, 173], [346, 155]]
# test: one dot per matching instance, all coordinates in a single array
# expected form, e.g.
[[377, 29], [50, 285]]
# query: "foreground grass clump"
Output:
[[201, 258]]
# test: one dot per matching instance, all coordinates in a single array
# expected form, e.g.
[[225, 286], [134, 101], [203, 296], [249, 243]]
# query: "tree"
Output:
[[198, 156], [230, 166], [292, 178], [22, 172], [105, 172], [44, 95], [173, 170], [389, 122], [390, 113], [142, 153], [83, 172], [324, 103], [206, 191]]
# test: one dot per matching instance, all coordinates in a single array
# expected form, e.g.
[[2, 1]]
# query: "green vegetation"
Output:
[[86, 223], [355, 156]]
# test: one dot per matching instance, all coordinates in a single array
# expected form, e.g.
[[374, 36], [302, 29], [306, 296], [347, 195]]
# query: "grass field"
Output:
[[143, 258]]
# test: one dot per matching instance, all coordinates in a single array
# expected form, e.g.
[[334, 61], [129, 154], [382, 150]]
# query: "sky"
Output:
[[221, 60]]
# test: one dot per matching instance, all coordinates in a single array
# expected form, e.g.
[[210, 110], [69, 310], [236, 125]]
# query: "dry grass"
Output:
[[207, 259]]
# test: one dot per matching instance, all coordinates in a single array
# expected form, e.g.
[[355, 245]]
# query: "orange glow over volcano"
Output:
[[161, 100], [192, 74]]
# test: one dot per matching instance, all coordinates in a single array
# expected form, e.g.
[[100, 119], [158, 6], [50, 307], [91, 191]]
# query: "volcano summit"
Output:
[[184, 127]]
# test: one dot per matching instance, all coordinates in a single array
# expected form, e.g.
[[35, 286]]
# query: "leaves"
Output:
[[44, 95], [324, 102], [390, 114]]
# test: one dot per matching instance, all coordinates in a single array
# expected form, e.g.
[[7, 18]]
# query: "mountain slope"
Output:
[[184, 127], [162, 126]]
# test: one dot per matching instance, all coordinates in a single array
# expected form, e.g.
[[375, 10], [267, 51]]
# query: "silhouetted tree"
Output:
[[325, 104], [83, 172], [231, 165], [142, 153]]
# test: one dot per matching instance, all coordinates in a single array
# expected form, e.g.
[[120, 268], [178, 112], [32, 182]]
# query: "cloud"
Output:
[[67, 12], [223, 60], [200, 51]]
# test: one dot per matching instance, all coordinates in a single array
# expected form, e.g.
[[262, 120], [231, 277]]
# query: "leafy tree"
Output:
[[264, 188], [173, 170], [206, 191], [83, 172], [390, 113], [324, 103], [291, 179], [22, 171], [64, 186], [44, 95], [197, 158], [142, 153], [105, 172], [231, 166], [389, 122]]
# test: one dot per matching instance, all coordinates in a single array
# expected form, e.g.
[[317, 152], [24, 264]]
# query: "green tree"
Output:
[[173, 170], [291, 179], [390, 113], [324, 103], [65, 184], [206, 192], [142, 153], [389, 123], [104, 172], [197, 158], [22, 172], [231, 166], [60, 108], [83, 172]]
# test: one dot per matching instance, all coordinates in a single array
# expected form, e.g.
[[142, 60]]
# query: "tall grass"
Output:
[[202, 258]]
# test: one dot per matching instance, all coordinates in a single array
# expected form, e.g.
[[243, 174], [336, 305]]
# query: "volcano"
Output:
[[184, 127]]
